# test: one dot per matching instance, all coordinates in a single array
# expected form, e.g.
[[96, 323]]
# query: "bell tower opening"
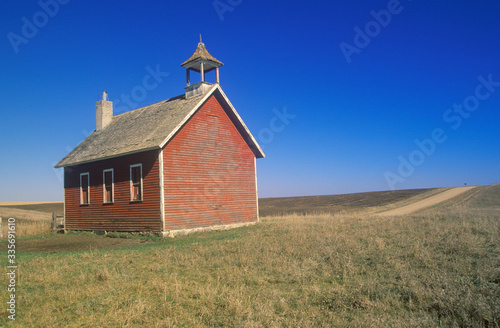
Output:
[[201, 62]]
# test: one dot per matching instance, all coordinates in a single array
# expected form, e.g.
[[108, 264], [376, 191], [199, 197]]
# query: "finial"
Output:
[[104, 95], [200, 39]]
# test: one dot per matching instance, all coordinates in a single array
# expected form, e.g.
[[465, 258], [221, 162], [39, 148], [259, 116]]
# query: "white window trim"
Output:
[[112, 186], [162, 190], [131, 186], [88, 188]]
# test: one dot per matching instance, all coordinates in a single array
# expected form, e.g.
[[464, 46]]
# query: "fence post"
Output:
[[54, 222], [1, 230]]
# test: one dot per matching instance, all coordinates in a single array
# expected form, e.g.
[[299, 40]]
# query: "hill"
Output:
[[339, 203]]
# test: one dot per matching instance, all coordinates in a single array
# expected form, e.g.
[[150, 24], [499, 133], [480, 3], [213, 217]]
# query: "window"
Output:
[[84, 188], [136, 182], [108, 181]]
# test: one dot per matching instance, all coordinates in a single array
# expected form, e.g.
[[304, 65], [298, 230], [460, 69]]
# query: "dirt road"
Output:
[[427, 202]]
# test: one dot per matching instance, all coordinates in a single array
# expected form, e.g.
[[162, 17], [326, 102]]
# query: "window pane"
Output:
[[84, 188], [108, 186], [108, 195], [136, 172], [85, 181], [108, 178], [85, 196], [136, 183], [136, 192]]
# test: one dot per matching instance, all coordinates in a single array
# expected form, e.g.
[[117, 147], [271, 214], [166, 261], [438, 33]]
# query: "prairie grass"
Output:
[[45, 207], [436, 269], [28, 222], [440, 268], [487, 197], [26, 227]]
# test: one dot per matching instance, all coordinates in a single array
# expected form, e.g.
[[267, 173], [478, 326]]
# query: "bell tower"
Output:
[[201, 62]]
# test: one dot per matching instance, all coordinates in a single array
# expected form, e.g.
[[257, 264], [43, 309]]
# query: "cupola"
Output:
[[201, 62]]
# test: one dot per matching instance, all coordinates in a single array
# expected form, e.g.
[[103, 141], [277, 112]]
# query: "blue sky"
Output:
[[344, 96]]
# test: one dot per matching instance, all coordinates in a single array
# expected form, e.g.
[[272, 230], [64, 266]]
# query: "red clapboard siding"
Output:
[[122, 214], [209, 173]]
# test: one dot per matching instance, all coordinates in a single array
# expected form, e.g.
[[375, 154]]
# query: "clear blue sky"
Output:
[[358, 81]]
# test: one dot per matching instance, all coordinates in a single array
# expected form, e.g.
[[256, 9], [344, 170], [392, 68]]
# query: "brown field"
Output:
[[438, 267], [346, 203], [46, 207]]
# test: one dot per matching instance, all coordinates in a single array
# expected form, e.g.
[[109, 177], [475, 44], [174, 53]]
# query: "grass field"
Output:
[[440, 267], [46, 207], [287, 205], [32, 218]]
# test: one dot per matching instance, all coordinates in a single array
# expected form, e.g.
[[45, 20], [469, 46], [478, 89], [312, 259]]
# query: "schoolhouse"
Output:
[[184, 164]]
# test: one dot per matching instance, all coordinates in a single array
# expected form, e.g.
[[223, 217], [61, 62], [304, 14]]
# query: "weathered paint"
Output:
[[122, 214], [208, 180], [209, 173]]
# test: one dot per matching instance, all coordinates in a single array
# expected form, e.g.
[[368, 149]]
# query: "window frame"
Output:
[[88, 188], [104, 200], [140, 184]]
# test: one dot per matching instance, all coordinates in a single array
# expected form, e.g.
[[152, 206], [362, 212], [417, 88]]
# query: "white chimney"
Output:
[[103, 112]]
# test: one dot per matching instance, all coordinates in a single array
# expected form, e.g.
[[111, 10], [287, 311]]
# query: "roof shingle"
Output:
[[146, 128], [202, 53], [137, 130]]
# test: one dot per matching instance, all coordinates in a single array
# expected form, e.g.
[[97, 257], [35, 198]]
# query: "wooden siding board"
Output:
[[122, 214], [209, 173]]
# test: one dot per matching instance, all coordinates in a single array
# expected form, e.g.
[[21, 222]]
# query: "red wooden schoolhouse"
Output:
[[181, 165]]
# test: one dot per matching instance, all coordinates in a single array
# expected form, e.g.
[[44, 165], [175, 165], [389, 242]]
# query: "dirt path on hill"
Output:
[[427, 202]]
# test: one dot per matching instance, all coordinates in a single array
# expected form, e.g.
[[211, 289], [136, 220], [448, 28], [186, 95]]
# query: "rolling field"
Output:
[[34, 217], [346, 203], [285, 205], [439, 267]]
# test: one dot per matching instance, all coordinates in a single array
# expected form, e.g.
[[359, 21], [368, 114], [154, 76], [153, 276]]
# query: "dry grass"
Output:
[[438, 268], [26, 227], [302, 271], [31, 218], [6, 212]]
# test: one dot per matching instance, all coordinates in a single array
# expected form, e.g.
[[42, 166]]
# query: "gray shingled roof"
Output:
[[144, 129], [201, 52]]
